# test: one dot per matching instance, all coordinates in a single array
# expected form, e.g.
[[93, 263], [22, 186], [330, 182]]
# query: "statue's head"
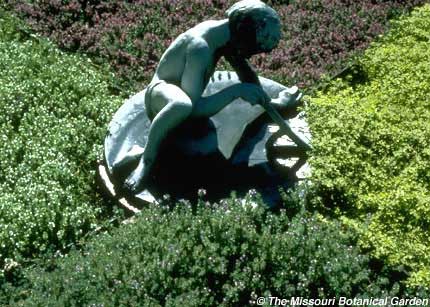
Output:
[[254, 27]]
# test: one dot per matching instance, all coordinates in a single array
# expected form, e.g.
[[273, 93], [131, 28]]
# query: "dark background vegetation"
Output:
[[319, 37]]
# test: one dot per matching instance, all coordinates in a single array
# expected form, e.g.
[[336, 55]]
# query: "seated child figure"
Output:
[[175, 92]]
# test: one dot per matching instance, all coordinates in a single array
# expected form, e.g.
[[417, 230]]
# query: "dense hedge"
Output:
[[221, 255], [319, 36], [372, 150], [53, 113]]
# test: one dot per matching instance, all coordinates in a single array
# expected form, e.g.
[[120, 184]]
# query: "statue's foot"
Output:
[[133, 185], [128, 162], [137, 179]]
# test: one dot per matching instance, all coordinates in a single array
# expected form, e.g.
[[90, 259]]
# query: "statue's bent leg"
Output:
[[171, 106]]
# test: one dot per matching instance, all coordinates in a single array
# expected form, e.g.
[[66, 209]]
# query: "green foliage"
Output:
[[53, 111], [371, 136], [223, 255], [370, 167]]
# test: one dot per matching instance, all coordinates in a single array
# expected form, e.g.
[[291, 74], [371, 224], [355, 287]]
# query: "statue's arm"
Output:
[[197, 59], [196, 62], [244, 70], [288, 99], [246, 73]]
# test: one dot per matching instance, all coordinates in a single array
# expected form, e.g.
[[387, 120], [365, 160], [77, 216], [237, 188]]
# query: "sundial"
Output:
[[238, 149]]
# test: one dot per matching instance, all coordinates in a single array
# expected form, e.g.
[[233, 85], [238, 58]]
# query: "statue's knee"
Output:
[[183, 108]]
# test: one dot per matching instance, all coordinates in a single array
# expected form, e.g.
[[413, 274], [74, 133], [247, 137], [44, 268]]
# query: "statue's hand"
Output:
[[289, 98], [252, 93]]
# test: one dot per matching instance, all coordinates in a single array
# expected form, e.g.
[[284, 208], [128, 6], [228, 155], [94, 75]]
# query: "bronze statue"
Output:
[[175, 93]]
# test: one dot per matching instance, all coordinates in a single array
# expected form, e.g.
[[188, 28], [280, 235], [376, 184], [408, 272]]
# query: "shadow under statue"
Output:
[[230, 151]]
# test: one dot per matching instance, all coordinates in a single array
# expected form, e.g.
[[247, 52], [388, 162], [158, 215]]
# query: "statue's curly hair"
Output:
[[246, 19]]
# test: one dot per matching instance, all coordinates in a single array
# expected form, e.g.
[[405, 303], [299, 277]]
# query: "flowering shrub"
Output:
[[53, 112], [371, 137], [226, 255], [319, 36]]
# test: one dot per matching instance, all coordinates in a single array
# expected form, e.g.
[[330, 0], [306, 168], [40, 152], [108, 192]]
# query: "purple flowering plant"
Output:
[[319, 36]]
